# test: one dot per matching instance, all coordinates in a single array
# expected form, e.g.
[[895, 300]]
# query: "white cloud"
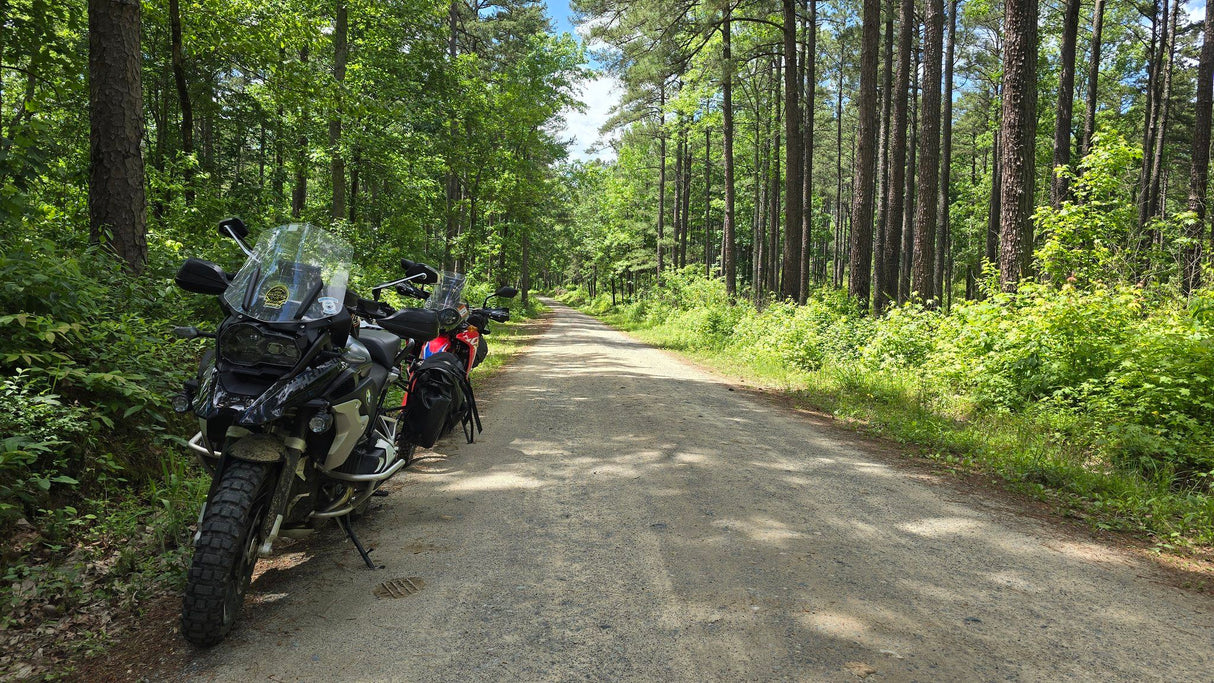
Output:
[[600, 95]]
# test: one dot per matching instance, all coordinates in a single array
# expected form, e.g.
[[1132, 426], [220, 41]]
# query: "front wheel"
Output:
[[225, 554]]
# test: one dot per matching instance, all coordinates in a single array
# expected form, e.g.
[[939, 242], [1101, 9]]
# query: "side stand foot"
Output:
[[344, 523]]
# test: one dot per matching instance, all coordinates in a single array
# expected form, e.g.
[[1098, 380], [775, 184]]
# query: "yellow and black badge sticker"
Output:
[[276, 296]]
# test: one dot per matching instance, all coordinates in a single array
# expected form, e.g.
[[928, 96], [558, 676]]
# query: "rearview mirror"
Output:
[[201, 277], [233, 227], [428, 275], [506, 292]]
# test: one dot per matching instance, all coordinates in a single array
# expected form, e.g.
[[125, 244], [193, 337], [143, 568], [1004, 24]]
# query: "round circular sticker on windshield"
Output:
[[276, 296], [329, 305]]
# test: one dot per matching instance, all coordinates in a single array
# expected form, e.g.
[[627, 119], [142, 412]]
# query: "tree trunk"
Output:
[[1155, 197], [1200, 168], [992, 217], [677, 205], [337, 165], [1059, 185], [794, 153], [860, 280], [1089, 122], [762, 157], [891, 257], [684, 235], [887, 88], [924, 266], [836, 278], [183, 91], [355, 166], [773, 233], [299, 194], [707, 202], [808, 84], [280, 168], [1158, 47], [451, 181], [525, 275], [117, 203], [912, 197], [1018, 130], [728, 248], [661, 175], [944, 243]]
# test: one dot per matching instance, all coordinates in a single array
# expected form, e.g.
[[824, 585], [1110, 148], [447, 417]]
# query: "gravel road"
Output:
[[626, 516]]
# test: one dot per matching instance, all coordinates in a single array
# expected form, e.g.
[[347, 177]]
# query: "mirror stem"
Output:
[[243, 247]]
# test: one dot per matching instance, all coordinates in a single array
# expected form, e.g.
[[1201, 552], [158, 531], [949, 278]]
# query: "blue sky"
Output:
[[559, 11], [598, 94]]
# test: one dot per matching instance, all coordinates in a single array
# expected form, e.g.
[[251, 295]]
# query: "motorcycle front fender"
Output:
[[258, 448]]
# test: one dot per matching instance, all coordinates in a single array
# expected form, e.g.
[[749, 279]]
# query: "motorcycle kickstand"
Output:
[[366, 554]]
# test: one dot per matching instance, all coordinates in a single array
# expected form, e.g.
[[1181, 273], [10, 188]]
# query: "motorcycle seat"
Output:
[[383, 345]]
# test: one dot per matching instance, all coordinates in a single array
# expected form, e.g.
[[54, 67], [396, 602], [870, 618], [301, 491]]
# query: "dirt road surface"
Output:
[[626, 516]]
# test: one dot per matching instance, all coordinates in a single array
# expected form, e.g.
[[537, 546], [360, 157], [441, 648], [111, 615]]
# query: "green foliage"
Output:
[[1087, 239], [86, 364]]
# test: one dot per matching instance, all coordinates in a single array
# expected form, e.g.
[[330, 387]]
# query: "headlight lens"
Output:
[[246, 344], [448, 317]]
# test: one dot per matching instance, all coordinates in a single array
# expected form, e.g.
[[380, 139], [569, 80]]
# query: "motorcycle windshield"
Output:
[[296, 272], [449, 292]]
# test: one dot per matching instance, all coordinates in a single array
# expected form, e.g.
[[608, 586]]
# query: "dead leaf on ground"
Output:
[[860, 669]]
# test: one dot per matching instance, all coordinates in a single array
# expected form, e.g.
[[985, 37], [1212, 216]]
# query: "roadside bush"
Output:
[[88, 364], [1042, 343]]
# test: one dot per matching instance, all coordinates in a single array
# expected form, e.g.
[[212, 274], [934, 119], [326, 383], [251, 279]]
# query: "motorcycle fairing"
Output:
[[216, 400], [437, 345]]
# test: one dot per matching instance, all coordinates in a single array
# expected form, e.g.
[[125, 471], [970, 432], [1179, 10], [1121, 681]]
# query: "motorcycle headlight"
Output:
[[448, 317], [246, 344]]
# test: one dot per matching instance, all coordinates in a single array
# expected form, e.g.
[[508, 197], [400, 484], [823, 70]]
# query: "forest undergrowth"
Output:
[[1096, 400]]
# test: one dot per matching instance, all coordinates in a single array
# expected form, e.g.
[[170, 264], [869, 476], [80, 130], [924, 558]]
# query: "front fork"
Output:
[[287, 462]]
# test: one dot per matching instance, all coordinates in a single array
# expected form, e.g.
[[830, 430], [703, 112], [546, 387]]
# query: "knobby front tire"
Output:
[[225, 554]]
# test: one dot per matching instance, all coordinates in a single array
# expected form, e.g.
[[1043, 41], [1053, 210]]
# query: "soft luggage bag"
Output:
[[436, 399]]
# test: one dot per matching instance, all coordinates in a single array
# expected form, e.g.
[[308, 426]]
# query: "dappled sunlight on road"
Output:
[[942, 526], [493, 481]]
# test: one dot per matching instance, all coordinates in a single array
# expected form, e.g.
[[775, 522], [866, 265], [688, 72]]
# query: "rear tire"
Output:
[[225, 554]]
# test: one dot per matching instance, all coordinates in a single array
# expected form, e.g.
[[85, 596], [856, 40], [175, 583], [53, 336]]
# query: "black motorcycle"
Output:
[[291, 405]]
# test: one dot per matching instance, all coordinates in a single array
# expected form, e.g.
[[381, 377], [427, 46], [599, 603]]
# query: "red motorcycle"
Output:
[[439, 394]]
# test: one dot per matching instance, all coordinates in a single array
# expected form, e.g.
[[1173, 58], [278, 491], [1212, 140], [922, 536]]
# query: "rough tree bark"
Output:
[[1059, 185], [1156, 52], [1018, 129], [883, 160], [790, 280], [661, 174], [179, 79], [912, 196], [728, 248], [1155, 196], [337, 164], [117, 203], [707, 202], [891, 257], [1089, 121], [1200, 167], [924, 264], [860, 277], [299, 194], [943, 241], [809, 69]]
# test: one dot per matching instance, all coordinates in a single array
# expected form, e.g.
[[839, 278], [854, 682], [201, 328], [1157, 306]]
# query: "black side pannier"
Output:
[[439, 398]]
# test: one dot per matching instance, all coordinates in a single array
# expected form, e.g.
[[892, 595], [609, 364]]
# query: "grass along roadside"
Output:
[[1034, 454]]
